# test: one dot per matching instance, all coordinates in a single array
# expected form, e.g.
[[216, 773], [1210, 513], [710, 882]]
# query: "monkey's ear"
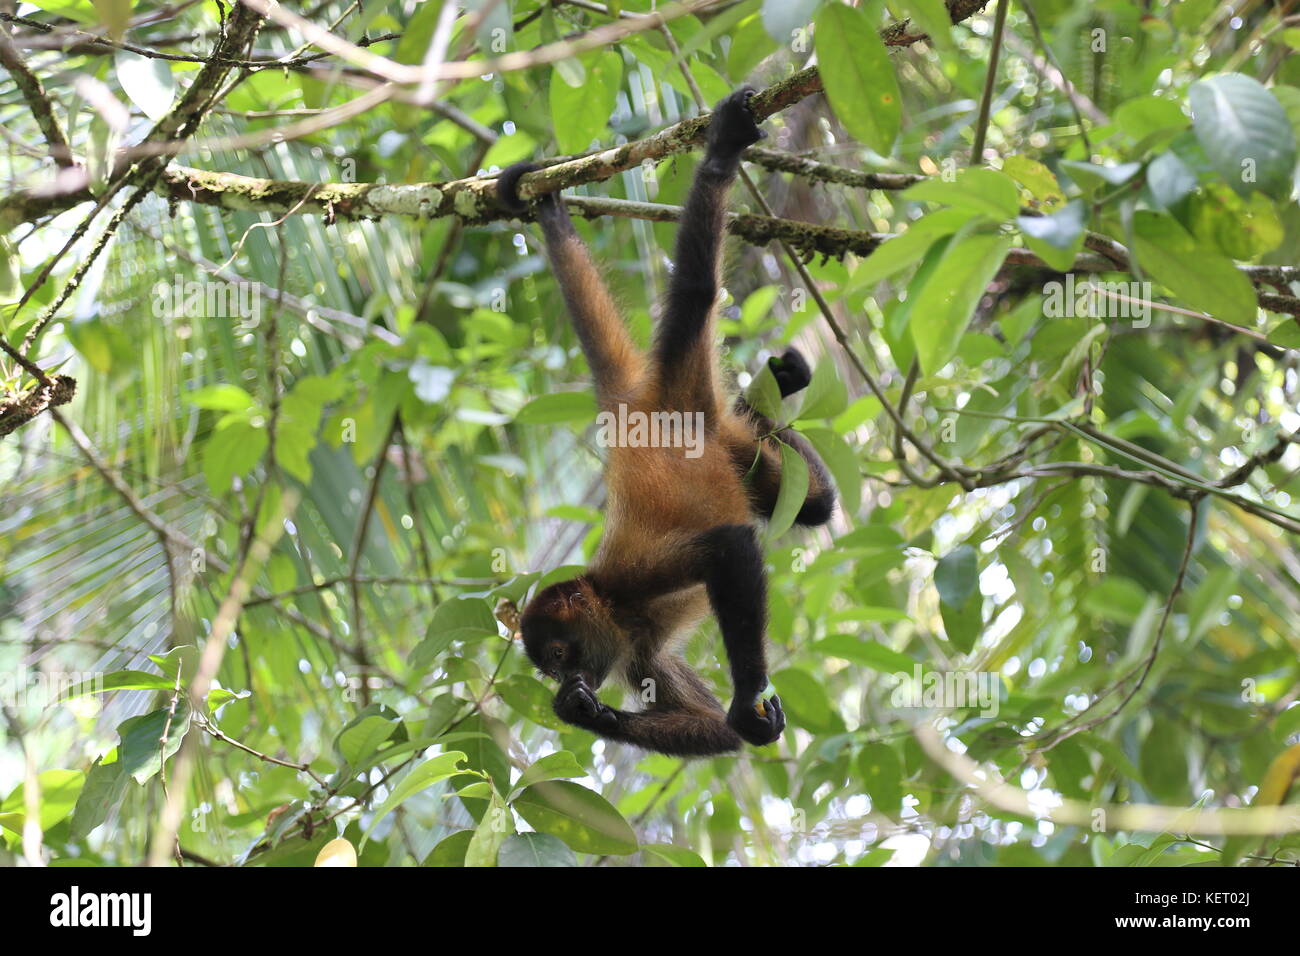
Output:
[[508, 186]]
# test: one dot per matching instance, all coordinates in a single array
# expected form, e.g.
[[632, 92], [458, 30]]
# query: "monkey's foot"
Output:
[[755, 727], [791, 371], [732, 126], [576, 703], [508, 185]]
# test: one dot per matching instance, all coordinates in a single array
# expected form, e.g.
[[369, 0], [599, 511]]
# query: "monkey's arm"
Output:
[[731, 566], [683, 349], [669, 727], [611, 353]]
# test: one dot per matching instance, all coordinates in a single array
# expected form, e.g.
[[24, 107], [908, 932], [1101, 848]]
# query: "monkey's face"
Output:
[[562, 629]]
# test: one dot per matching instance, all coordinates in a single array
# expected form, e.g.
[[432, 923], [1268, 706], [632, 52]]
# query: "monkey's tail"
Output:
[[508, 186]]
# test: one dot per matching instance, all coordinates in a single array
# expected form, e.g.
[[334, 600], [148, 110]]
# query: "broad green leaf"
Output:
[[794, 490], [432, 771], [535, 849], [805, 702], [674, 855], [869, 653], [497, 824], [985, 191], [558, 408], [582, 818], [118, 680], [141, 752], [858, 76], [59, 790], [557, 766], [103, 791], [783, 18], [580, 114], [1035, 178], [147, 81], [1057, 237], [1245, 133], [882, 775], [843, 464], [529, 698], [826, 395], [1201, 277], [225, 398], [940, 313]]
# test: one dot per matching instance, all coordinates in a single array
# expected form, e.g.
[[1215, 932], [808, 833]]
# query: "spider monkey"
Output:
[[680, 536]]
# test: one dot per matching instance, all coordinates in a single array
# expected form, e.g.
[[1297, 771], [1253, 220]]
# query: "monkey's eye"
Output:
[[557, 652]]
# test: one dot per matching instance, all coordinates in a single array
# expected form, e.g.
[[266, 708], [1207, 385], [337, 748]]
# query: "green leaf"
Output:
[[59, 790], [984, 191], [1169, 181], [232, 450], [940, 313], [362, 738], [580, 113], [425, 775], [140, 752], [882, 777], [794, 490], [764, 395], [461, 619], [1164, 762], [558, 408], [825, 396], [497, 824], [582, 818], [1245, 133], [103, 791], [869, 653], [1090, 176], [451, 851], [956, 576], [10, 271], [783, 18], [118, 680], [1057, 237], [1202, 278], [1039, 181], [908, 248], [858, 76], [148, 82], [804, 699], [225, 398], [843, 464], [557, 766], [530, 698], [674, 855], [535, 849]]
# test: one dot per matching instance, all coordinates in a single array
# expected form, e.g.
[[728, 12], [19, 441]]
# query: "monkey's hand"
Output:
[[755, 726], [576, 703], [791, 371], [508, 186], [732, 126]]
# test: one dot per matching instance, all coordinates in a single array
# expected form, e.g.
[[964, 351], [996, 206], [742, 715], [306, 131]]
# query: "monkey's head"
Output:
[[567, 630]]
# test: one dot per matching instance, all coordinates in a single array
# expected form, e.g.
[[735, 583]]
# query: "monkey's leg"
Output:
[[683, 349], [731, 566], [670, 726], [614, 358]]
